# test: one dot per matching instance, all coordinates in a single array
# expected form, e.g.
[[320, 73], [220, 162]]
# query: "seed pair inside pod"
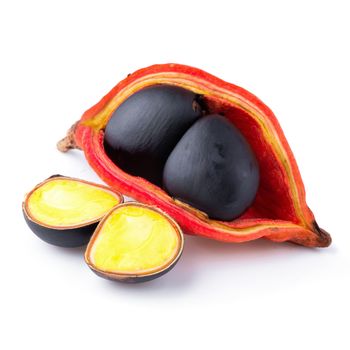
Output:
[[132, 242], [161, 133]]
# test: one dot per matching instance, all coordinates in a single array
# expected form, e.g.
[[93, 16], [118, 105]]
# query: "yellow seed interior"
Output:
[[68, 202], [134, 239]]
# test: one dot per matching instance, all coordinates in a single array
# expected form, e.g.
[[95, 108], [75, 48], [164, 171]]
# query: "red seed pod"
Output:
[[279, 211]]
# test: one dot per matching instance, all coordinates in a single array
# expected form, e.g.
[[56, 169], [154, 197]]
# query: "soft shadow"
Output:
[[76, 253], [200, 252], [179, 278]]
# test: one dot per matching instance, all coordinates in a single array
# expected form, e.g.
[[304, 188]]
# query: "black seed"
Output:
[[213, 169], [145, 128]]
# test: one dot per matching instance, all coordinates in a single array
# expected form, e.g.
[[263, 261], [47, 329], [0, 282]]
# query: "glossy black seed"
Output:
[[213, 169], [145, 128]]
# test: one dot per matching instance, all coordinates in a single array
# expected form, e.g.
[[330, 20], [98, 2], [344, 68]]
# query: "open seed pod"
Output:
[[65, 211], [134, 243], [277, 211]]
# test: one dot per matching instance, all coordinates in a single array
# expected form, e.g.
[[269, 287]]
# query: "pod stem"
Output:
[[324, 237], [320, 239], [68, 142]]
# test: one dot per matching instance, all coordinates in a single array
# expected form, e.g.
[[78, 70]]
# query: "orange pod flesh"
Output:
[[279, 212]]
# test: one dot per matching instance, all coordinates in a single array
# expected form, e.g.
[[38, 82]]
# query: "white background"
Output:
[[59, 58]]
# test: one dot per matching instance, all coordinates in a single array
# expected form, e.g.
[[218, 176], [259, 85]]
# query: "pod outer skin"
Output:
[[135, 278], [145, 128], [68, 238], [213, 169], [295, 221]]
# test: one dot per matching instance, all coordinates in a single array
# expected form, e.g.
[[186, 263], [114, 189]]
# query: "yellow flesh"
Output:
[[67, 202], [134, 239]]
